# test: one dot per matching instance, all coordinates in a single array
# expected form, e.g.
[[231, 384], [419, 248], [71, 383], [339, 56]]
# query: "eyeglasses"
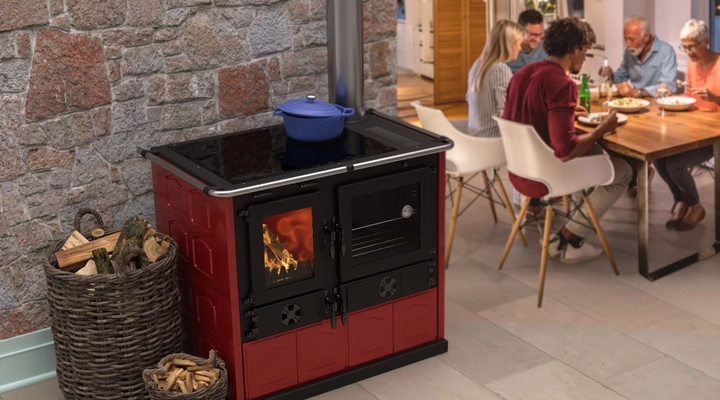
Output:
[[688, 49], [534, 35]]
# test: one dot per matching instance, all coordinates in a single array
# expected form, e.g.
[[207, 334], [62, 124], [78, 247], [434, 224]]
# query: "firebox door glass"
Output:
[[288, 247], [385, 223]]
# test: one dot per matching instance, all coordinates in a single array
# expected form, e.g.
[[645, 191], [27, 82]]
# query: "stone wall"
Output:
[[84, 82]]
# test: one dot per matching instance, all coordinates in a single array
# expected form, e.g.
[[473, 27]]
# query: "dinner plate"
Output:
[[628, 109], [588, 119], [676, 103]]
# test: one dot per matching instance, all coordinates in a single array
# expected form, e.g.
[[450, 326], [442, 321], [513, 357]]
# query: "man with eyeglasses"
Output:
[[531, 51], [647, 60]]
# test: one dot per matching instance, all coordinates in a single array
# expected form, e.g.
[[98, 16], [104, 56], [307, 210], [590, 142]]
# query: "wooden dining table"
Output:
[[649, 135]]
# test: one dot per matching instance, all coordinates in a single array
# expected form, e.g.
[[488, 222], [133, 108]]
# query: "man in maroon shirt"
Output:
[[542, 95]]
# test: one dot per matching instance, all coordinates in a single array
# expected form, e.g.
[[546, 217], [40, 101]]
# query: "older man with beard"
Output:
[[647, 60]]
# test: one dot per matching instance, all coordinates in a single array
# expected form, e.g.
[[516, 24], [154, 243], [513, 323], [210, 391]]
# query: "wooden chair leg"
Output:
[[506, 201], [488, 189], [566, 202], [453, 221], [601, 234], [544, 254], [515, 229]]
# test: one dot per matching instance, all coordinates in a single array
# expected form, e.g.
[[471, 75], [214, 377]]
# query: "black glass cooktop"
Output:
[[248, 161], [248, 156]]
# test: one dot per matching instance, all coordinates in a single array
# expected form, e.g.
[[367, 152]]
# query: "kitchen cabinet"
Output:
[[460, 31]]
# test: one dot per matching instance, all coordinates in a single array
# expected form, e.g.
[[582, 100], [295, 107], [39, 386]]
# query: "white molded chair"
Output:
[[528, 156], [469, 156]]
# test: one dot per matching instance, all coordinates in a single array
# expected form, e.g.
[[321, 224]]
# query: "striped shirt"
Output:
[[489, 102]]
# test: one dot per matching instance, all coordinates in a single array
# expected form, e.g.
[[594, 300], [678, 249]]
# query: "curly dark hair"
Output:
[[567, 35]]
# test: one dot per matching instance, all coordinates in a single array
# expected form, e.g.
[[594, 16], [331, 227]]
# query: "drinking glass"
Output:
[[662, 91]]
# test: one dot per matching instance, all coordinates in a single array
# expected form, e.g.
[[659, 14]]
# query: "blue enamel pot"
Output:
[[312, 120]]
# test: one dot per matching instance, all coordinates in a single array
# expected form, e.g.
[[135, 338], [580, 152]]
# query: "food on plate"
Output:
[[596, 118], [627, 102]]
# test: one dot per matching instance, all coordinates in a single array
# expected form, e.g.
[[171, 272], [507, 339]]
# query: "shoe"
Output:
[[553, 246], [677, 216], [584, 252], [689, 224]]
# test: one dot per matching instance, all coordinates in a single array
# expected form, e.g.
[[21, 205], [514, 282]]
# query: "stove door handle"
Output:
[[333, 310]]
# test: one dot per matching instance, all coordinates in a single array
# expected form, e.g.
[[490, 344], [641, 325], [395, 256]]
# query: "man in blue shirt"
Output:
[[531, 50], [647, 60]]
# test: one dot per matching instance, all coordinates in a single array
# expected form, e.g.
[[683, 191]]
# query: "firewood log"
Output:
[[77, 256], [75, 239], [131, 235], [102, 261]]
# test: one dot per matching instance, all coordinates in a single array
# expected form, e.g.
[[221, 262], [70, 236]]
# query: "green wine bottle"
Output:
[[585, 93]]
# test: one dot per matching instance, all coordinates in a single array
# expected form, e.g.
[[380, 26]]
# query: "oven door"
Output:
[[386, 222], [286, 241]]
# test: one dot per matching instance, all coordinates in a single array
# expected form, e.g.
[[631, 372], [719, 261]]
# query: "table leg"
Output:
[[643, 228], [643, 192]]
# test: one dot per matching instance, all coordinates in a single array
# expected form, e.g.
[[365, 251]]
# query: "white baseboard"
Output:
[[26, 360]]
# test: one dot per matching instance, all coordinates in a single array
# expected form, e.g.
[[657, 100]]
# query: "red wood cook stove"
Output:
[[309, 265]]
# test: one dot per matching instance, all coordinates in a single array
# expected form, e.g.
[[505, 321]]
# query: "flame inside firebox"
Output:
[[288, 246]]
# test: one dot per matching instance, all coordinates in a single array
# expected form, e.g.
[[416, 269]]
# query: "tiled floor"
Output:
[[597, 336]]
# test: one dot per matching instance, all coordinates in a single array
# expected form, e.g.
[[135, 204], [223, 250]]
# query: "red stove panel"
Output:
[[199, 210], [321, 350], [174, 195], [370, 334], [415, 320], [274, 365]]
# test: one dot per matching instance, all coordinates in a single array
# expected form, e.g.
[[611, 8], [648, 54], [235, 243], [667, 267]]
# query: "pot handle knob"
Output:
[[348, 112], [278, 112], [311, 98]]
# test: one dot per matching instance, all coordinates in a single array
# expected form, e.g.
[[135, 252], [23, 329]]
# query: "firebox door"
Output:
[[286, 239], [382, 225]]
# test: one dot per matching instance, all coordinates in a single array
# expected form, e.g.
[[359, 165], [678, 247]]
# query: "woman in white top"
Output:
[[489, 78]]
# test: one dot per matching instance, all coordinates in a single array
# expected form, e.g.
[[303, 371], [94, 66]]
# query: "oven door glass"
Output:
[[384, 224], [285, 240]]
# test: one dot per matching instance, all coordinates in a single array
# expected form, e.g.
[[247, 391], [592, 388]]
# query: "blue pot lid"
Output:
[[309, 107]]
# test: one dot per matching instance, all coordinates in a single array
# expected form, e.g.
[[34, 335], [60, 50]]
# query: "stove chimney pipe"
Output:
[[345, 55]]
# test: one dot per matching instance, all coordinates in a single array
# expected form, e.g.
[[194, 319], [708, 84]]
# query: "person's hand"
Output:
[[580, 111], [608, 124], [705, 94], [625, 90]]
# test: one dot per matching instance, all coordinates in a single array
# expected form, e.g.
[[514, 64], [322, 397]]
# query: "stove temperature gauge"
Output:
[[408, 211]]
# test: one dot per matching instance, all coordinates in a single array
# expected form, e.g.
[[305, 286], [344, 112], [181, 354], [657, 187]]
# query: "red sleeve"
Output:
[[561, 119]]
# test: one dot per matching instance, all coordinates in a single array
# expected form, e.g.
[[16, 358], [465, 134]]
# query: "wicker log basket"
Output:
[[107, 327], [216, 391]]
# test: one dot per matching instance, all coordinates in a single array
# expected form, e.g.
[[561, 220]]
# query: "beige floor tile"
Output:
[[579, 341], [689, 339], [430, 379], [551, 381], [477, 287], [350, 392], [687, 289], [665, 379], [47, 390], [614, 303], [482, 351]]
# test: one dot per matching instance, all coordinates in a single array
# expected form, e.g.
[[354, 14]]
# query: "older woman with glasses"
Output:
[[703, 83]]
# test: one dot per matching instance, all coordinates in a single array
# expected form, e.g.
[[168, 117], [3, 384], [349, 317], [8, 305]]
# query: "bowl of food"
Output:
[[676, 103], [628, 104]]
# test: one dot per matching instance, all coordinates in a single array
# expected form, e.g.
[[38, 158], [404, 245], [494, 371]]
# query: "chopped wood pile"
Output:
[[185, 376], [97, 256]]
